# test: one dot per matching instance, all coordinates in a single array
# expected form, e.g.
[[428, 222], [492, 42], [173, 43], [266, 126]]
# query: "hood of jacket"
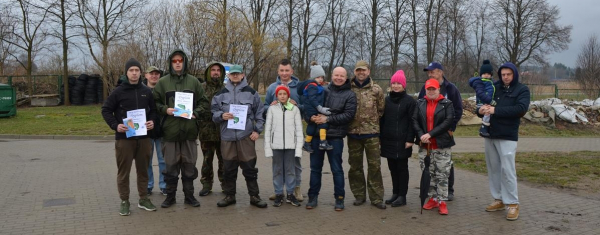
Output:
[[293, 81], [211, 81], [512, 67], [185, 63], [125, 82]]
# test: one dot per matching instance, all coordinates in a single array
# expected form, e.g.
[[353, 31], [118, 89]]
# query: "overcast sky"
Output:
[[583, 16]]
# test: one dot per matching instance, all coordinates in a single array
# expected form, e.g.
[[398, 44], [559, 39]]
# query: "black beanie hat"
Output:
[[486, 67], [132, 62]]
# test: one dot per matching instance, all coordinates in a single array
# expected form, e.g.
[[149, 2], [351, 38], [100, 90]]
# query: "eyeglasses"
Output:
[[177, 61]]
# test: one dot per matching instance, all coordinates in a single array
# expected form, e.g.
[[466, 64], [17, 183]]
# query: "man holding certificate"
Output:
[[180, 100], [239, 112], [126, 110]]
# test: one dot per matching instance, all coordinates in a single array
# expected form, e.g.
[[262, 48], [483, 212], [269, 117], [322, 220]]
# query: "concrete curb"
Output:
[[59, 137]]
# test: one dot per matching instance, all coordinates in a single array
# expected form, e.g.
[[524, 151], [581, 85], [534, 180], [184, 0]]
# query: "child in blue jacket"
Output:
[[484, 92], [313, 97]]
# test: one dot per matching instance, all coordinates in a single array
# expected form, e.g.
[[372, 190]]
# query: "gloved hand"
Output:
[[323, 110]]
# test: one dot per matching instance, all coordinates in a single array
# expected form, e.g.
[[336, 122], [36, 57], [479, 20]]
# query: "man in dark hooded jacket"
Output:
[[179, 134], [209, 133], [512, 102], [131, 95]]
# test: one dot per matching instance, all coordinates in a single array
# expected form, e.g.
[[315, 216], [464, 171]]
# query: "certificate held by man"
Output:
[[183, 104], [240, 113]]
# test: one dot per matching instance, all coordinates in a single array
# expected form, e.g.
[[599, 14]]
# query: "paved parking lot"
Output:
[[51, 186]]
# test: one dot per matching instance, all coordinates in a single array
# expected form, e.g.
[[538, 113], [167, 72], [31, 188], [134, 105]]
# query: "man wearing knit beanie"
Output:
[[129, 96]]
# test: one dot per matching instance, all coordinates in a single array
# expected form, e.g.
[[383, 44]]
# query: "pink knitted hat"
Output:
[[399, 78]]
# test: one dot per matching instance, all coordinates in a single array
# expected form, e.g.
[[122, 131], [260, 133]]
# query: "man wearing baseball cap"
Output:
[[435, 70], [363, 138], [152, 75]]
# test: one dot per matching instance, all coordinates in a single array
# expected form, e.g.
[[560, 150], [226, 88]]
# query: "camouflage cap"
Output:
[[361, 64], [152, 69]]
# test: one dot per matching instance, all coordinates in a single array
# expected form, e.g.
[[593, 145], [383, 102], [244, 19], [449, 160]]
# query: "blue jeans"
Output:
[[161, 165], [335, 161]]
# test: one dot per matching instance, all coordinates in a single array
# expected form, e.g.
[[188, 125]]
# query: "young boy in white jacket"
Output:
[[283, 142]]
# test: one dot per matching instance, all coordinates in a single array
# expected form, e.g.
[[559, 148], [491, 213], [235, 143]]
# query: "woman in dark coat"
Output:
[[397, 136]]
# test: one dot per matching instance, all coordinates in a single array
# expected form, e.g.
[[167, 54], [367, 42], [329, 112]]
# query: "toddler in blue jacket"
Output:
[[484, 92]]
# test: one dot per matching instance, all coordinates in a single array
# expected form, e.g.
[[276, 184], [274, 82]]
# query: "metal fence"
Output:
[[42, 84], [538, 91]]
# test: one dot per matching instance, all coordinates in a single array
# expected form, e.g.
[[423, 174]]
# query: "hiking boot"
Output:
[[146, 204], [484, 131], [431, 204], [339, 204], [443, 210], [513, 212], [191, 200], [169, 201], [324, 145], [293, 200], [124, 210], [149, 191], [400, 201], [392, 199], [256, 201], [497, 205], [359, 201], [272, 197], [163, 191], [450, 196], [278, 200], [312, 202], [228, 200], [205, 191], [306, 147], [380, 205], [298, 194]]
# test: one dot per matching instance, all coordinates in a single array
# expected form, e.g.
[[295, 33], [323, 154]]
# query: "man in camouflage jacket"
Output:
[[208, 133], [363, 136]]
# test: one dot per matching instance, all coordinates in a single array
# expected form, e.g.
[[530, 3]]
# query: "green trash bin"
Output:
[[8, 101]]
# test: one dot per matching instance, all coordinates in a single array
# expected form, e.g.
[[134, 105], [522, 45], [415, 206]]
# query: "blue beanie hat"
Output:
[[486, 67]]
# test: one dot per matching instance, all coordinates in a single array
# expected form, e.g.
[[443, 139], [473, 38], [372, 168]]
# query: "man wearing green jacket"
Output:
[[180, 149]]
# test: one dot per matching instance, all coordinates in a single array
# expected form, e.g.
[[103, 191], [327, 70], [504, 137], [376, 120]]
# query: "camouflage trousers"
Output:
[[356, 174], [209, 148], [439, 169]]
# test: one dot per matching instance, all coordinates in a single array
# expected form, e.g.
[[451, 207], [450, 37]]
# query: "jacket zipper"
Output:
[[397, 127], [283, 126], [235, 101]]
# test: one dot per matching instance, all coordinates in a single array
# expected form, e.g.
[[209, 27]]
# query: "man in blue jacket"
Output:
[[512, 102], [435, 70], [286, 77]]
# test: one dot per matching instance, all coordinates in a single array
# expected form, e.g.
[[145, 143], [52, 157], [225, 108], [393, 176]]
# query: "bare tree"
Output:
[[61, 13], [104, 23], [433, 14], [588, 66], [259, 20], [7, 25], [399, 30], [335, 33], [308, 31], [528, 30], [28, 37]]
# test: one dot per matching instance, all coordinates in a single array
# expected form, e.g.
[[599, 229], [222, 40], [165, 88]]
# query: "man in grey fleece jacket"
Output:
[[238, 146]]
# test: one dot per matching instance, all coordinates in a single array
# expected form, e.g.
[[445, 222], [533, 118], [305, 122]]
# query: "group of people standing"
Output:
[[376, 124]]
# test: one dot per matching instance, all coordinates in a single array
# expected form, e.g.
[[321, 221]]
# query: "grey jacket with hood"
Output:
[[241, 94]]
